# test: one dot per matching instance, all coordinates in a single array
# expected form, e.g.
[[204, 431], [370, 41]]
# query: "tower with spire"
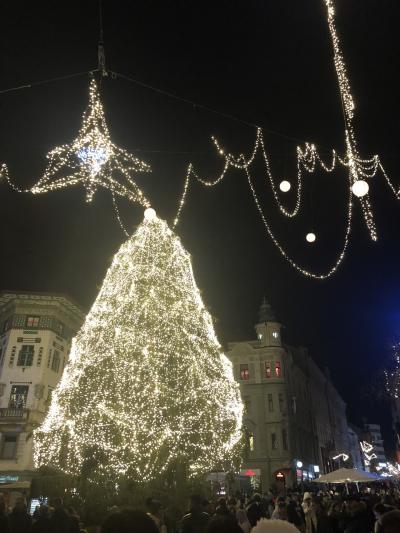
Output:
[[268, 329]]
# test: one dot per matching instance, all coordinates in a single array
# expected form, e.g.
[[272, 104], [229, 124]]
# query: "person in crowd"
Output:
[[223, 524], [196, 520], [280, 512], [232, 506], [323, 523], [273, 526], [336, 517], [154, 510], [379, 510], [222, 508], [74, 519], [294, 516], [241, 516], [390, 522], [309, 513], [59, 519], [360, 519], [255, 510], [129, 521], [20, 520], [4, 526], [42, 523]]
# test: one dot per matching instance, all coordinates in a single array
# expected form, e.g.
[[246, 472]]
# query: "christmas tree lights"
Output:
[[147, 384]]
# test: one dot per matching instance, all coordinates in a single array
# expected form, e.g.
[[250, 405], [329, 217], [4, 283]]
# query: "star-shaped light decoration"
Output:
[[92, 160]]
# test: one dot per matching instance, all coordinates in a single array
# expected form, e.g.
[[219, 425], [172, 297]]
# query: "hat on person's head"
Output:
[[306, 496], [274, 526]]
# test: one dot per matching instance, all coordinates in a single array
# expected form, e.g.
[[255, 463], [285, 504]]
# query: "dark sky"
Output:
[[266, 62]]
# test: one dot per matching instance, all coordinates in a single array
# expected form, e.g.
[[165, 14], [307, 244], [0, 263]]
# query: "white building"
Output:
[[36, 331], [295, 419]]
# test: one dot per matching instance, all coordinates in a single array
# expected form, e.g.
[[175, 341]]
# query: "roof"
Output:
[[7, 296]]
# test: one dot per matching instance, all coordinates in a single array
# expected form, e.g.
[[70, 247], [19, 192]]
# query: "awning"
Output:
[[17, 485], [347, 475]]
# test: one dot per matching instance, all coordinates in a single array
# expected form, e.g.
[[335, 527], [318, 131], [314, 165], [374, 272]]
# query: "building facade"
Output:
[[373, 437], [36, 334], [295, 419]]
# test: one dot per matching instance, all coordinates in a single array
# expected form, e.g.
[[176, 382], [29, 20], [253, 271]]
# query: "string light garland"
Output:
[[92, 153], [359, 170], [91, 160], [147, 384]]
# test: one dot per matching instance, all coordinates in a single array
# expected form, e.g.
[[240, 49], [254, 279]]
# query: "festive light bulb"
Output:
[[310, 237], [285, 186], [150, 214], [360, 188], [147, 385]]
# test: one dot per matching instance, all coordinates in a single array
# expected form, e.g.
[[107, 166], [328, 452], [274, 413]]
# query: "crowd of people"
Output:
[[325, 512]]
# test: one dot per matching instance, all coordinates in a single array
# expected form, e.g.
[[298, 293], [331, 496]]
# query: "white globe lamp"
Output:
[[360, 188], [150, 214], [310, 237], [285, 186]]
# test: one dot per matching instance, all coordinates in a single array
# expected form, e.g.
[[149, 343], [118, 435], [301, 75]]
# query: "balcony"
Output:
[[13, 414]]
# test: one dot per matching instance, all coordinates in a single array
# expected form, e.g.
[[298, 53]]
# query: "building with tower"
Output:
[[294, 418], [36, 334]]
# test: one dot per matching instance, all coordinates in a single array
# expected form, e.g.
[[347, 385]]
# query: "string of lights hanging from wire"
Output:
[[92, 160]]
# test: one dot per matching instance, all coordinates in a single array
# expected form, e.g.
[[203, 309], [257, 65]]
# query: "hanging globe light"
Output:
[[360, 188], [310, 237], [285, 186]]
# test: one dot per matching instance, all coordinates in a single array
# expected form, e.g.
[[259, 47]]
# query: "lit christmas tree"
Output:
[[147, 386]]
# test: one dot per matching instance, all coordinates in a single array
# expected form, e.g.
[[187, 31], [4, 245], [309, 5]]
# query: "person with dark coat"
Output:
[[361, 520], [43, 523], [196, 520], [4, 525], [20, 520], [60, 520], [129, 521], [255, 510], [323, 522]]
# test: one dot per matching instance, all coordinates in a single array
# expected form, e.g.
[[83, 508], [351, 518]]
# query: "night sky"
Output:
[[265, 62]]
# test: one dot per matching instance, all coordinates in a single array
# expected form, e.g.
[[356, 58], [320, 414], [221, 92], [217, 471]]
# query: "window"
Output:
[[275, 334], [25, 356], [12, 356], [274, 444], [39, 359], [5, 325], [278, 370], [18, 396], [251, 442], [270, 403], [244, 372], [284, 439], [9, 446], [55, 365], [281, 402], [267, 370], [32, 321]]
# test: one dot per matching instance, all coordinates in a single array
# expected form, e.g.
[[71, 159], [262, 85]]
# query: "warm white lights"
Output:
[[310, 237], [92, 160], [150, 214], [360, 188], [285, 186], [147, 385]]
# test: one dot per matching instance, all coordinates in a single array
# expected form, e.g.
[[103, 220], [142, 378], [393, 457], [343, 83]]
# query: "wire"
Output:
[[50, 80]]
